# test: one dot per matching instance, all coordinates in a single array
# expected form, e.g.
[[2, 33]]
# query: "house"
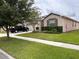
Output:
[[1, 30], [68, 24], [30, 25]]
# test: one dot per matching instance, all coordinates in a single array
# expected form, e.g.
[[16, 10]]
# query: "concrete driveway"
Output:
[[2, 35], [13, 34]]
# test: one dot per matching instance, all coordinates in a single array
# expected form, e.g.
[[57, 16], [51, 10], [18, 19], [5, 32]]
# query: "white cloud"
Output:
[[65, 7]]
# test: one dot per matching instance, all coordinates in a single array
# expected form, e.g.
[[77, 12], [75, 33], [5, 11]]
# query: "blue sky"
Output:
[[63, 7]]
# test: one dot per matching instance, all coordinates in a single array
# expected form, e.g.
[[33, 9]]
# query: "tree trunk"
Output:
[[7, 31]]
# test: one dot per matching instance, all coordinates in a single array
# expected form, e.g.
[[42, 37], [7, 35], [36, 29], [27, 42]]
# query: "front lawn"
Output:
[[21, 49], [70, 37]]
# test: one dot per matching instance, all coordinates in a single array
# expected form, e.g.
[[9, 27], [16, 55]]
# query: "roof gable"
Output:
[[61, 16]]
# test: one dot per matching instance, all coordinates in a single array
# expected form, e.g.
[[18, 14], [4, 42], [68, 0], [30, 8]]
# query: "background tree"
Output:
[[34, 17], [15, 11], [29, 13]]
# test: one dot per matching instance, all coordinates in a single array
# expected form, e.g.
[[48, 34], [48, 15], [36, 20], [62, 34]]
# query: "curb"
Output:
[[6, 54]]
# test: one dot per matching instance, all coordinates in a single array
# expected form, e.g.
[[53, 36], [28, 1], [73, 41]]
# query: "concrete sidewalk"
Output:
[[52, 43]]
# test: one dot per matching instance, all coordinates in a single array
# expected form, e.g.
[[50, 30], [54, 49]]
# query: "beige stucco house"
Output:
[[67, 23]]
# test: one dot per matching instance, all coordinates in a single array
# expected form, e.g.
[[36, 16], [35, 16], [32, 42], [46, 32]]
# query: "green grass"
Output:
[[21, 49], [70, 37]]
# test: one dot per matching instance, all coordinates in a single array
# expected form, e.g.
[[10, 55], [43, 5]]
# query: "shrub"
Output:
[[57, 29]]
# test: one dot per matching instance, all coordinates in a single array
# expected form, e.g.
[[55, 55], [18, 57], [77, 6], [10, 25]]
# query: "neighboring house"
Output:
[[67, 23], [30, 26], [27, 24], [1, 30]]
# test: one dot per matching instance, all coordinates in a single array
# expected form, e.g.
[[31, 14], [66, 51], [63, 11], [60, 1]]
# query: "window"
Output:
[[52, 22], [73, 24]]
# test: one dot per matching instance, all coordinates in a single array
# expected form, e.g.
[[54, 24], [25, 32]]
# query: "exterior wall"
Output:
[[59, 21], [77, 25], [39, 25], [67, 24]]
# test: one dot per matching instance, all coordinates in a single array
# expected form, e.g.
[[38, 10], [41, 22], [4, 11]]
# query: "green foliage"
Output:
[[24, 9], [8, 15], [57, 29], [12, 2], [1, 2], [15, 11]]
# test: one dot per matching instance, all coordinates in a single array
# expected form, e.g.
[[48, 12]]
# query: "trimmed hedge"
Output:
[[57, 29]]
